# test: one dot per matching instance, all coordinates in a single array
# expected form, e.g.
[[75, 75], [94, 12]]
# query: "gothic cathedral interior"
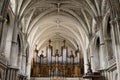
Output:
[[59, 39]]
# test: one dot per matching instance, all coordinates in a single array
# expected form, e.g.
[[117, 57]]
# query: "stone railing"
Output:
[[111, 62], [109, 72], [8, 72], [12, 73]]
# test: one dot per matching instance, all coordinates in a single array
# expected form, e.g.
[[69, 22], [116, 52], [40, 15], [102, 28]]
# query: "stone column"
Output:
[[92, 56], [3, 36], [23, 67], [8, 73], [28, 67], [85, 61], [8, 44], [20, 61], [14, 55], [116, 39], [1, 4], [11, 75], [1, 27], [3, 10], [102, 55]]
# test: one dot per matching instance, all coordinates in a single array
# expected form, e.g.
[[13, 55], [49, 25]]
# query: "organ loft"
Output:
[[59, 39], [57, 62]]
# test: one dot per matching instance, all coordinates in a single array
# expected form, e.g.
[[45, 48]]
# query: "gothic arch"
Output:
[[105, 22], [96, 54], [108, 35], [9, 32]]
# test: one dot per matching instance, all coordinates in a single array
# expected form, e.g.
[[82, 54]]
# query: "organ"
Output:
[[64, 64]]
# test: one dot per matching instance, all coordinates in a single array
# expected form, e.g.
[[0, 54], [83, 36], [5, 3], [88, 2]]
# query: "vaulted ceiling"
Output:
[[71, 20]]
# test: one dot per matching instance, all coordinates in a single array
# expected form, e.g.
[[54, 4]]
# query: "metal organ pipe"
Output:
[[56, 56], [78, 57], [49, 53], [64, 53]]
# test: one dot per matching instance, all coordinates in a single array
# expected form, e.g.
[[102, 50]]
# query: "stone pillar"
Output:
[[92, 56], [28, 67], [116, 39], [14, 55], [8, 44], [1, 4], [20, 61], [8, 74], [3, 10], [3, 36], [1, 27], [85, 61], [23, 66], [102, 55]]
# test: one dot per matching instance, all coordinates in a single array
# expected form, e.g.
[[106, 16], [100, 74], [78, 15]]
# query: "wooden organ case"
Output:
[[57, 65]]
